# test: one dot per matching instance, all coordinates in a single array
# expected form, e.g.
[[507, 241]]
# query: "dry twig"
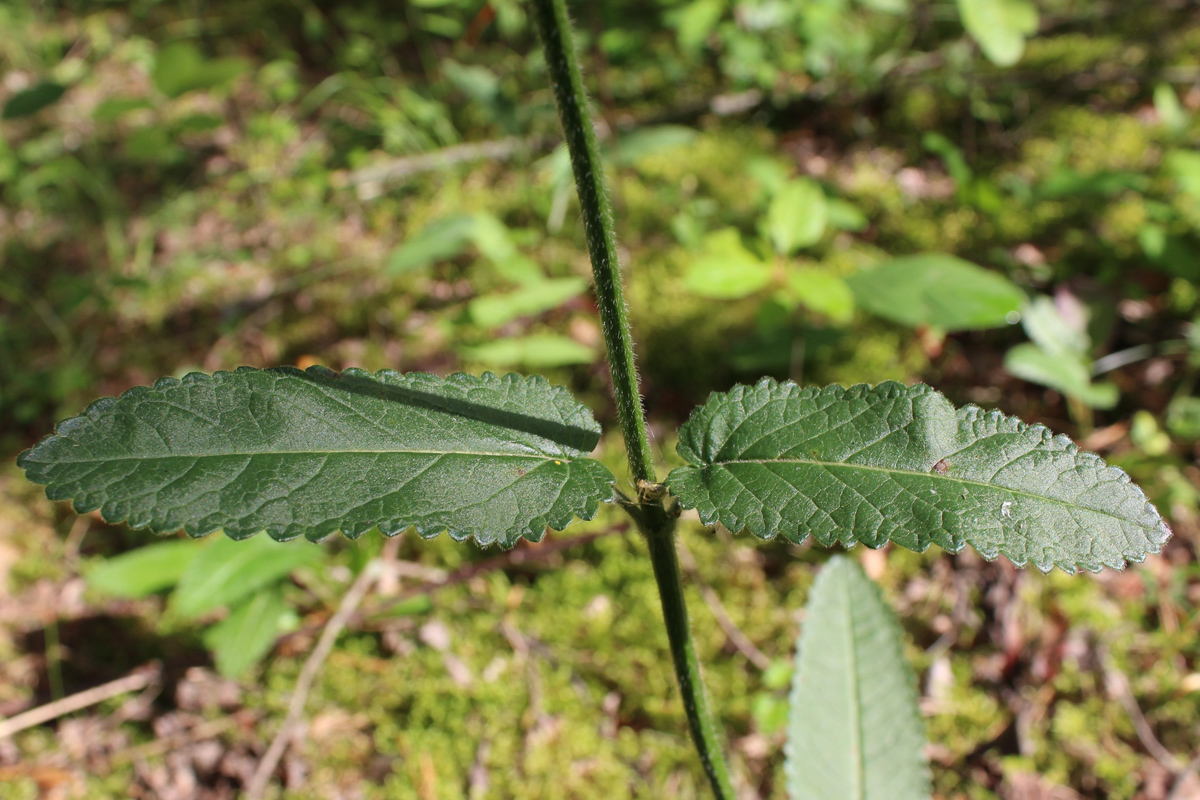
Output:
[[1191, 768], [1117, 683], [400, 168], [740, 640], [308, 673], [143, 677], [371, 179], [434, 580]]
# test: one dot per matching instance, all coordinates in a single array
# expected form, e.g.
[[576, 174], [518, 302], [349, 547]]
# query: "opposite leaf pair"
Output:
[[309, 453]]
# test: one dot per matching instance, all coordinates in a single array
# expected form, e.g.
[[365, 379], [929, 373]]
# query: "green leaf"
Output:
[[442, 239], [1147, 436], [854, 732], [797, 216], [887, 6], [478, 83], [1168, 108], [114, 108], [491, 236], [770, 173], [845, 216], [417, 604], [519, 268], [778, 674], [153, 144], [198, 123], [1053, 332], [28, 102], [449, 237], [226, 571], [937, 290], [643, 143], [1062, 371], [770, 713], [1183, 418], [727, 270], [180, 68], [529, 300], [952, 155], [143, 571], [1185, 166], [1000, 27], [310, 453], [537, 351], [696, 21], [240, 641], [822, 292], [898, 463], [1065, 182], [1175, 255]]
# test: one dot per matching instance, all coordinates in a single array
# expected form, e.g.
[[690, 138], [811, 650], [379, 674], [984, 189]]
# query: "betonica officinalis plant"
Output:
[[498, 458]]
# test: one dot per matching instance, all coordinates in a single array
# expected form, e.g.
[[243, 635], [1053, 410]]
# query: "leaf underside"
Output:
[[854, 731], [896, 463], [308, 453]]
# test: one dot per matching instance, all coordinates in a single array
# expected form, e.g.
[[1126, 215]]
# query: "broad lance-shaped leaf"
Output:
[[900, 463], [307, 453], [854, 731]]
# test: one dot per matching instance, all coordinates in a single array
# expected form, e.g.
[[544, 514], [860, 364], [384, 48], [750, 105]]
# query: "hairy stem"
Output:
[[659, 528], [655, 522], [554, 27]]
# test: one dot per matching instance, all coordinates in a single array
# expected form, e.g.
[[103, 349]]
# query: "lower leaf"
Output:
[[854, 730]]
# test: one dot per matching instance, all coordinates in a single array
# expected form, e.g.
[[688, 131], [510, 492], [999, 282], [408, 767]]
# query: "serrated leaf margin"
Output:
[[710, 515], [534, 531]]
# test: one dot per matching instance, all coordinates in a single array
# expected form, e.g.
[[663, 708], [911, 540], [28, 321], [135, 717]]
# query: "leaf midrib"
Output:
[[851, 634], [890, 470], [356, 451]]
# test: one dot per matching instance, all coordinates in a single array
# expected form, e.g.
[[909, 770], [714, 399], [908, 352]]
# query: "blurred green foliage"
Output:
[[199, 187]]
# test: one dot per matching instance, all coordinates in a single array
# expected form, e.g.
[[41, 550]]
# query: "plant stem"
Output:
[[654, 521], [555, 30], [660, 536]]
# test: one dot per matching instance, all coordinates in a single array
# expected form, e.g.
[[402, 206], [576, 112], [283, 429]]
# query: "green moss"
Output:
[[22, 789], [715, 165], [1088, 141], [1059, 56], [877, 353], [921, 108]]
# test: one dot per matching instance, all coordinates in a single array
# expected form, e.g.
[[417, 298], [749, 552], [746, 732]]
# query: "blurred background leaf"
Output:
[[32, 100]]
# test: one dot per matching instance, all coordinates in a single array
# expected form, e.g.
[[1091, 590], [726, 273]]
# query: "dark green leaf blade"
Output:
[[890, 462], [32, 100], [854, 731], [313, 452]]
